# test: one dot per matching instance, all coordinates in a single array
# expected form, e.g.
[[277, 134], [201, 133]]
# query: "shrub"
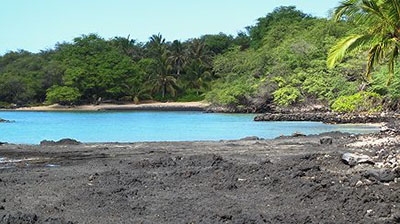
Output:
[[63, 95], [286, 96], [359, 102]]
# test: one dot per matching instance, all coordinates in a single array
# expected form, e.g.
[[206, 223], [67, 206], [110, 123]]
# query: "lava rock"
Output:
[[381, 175], [250, 138], [326, 140], [65, 141], [353, 159]]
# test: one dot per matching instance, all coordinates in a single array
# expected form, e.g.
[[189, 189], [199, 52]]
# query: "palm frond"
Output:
[[346, 8], [338, 51]]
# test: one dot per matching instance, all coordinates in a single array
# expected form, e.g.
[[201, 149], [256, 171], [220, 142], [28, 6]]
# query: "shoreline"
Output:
[[295, 179], [168, 106]]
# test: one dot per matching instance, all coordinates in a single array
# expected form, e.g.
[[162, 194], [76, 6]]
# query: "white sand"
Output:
[[149, 106]]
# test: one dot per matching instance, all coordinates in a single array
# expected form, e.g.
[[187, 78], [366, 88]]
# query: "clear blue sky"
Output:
[[36, 25]]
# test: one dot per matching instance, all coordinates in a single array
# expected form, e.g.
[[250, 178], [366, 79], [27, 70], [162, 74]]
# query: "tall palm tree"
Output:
[[156, 45], [379, 32], [199, 52], [197, 77], [160, 78], [178, 56]]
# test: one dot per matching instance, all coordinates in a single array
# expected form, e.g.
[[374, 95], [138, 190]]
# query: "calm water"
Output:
[[32, 127]]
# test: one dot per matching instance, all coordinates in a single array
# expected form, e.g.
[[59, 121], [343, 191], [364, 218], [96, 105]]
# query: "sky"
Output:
[[35, 25]]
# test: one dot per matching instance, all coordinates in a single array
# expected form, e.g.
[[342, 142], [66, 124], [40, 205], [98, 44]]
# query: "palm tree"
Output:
[[197, 77], [178, 56], [156, 45], [199, 52], [379, 32], [160, 77]]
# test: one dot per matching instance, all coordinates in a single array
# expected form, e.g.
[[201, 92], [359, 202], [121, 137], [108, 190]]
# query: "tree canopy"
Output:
[[288, 58]]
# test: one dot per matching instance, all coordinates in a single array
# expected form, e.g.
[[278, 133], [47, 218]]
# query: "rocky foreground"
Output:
[[331, 178]]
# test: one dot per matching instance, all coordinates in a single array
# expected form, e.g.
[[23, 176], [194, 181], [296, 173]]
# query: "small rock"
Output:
[[92, 177], [298, 134], [326, 140], [250, 138], [353, 159], [359, 183], [381, 175], [2, 207]]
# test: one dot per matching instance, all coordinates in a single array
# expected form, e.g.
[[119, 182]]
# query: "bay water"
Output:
[[135, 126]]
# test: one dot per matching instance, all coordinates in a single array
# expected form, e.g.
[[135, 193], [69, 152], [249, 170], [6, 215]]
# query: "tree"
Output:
[[96, 68], [129, 47], [156, 46], [160, 79], [63, 95], [178, 56], [199, 52], [379, 32], [218, 43]]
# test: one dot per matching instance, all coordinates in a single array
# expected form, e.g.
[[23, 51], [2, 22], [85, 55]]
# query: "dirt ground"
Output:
[[286, 180]]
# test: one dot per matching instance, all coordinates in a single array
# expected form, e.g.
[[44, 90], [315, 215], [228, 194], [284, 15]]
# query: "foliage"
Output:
[[379, 83], [379, 32], [359, 102], [63, 95], [286, 95], [238, 73], [280, 60]]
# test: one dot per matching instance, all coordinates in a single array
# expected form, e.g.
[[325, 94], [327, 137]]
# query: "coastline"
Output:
[[157, 106], [294, 179]]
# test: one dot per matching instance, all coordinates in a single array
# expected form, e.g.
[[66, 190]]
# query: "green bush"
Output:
[[286, 96], [191, 97], [359, 102], [63, 95]]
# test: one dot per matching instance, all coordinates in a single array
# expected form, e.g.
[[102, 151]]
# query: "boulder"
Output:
[[381, 175], [250, 138], [353, 159], [326, 140], [65, 141]]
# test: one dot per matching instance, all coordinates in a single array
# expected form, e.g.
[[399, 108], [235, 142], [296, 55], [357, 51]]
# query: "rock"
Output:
[[65, 141], [381, 175], [327, 117], [250, 138], [298, 134], [353, 159], [326, 140]]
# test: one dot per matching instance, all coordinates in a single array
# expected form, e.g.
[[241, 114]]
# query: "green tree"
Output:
[[62, 95], [378, 32], [177, 57], [96, 68]]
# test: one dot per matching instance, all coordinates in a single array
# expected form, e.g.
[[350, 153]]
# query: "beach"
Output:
[[295, 179], [158, 106]]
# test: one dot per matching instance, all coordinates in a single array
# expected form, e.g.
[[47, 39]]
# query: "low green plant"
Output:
[[63, 95], [360, 102], [286, 96]]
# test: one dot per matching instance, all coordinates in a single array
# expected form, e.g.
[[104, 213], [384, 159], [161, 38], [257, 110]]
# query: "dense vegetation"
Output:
[[279, 62]]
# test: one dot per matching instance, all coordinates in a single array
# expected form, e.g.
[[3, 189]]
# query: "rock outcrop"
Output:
[[328, 117]]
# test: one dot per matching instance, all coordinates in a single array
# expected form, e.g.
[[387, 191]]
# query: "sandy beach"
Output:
[[168, 106], [286, 180]]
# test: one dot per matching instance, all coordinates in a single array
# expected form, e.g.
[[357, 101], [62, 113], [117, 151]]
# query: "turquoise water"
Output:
[[32, 127]]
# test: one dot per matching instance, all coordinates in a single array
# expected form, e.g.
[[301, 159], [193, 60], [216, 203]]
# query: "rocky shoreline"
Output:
[[329, 178], [329, 117]]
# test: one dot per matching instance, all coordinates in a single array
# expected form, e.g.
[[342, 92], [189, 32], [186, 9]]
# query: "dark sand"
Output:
[[287, 180]]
